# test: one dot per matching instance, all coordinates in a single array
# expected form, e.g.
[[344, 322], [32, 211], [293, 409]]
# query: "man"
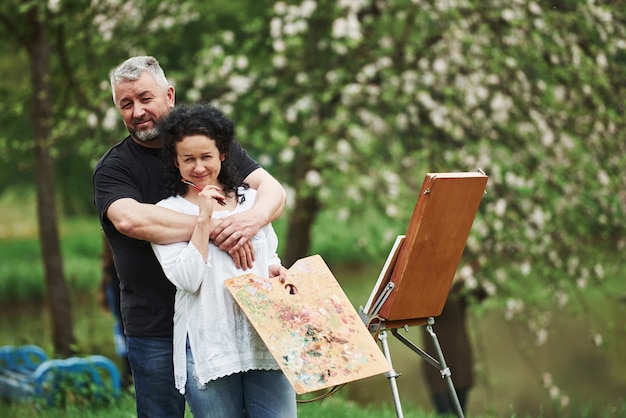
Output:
[[128, 180]]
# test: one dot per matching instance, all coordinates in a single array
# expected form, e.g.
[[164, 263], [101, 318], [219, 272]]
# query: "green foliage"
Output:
[[380, 93], [75, 389]]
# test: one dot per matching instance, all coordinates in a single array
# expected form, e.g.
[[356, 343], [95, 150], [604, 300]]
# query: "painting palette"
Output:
[[309, 326]]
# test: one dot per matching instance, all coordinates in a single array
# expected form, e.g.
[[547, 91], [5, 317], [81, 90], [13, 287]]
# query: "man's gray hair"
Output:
[[132, 68]]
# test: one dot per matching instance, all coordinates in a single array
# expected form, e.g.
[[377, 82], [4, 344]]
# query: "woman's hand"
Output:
[[208, 198], [276, 270]]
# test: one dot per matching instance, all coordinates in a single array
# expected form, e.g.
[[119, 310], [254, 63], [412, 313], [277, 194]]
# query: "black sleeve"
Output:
[[243, 163], [112, 181]]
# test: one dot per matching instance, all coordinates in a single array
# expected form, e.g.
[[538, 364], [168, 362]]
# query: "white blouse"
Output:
[[221, 338]]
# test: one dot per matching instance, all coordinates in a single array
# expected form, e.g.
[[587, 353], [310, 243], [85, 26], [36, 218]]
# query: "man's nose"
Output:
[[138, 110]]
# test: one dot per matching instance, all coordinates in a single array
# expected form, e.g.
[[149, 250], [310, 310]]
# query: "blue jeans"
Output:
[[252, 394], [151, 361]]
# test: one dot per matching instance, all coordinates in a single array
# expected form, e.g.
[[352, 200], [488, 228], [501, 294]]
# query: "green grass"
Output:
[[335, 407], [21, 271]]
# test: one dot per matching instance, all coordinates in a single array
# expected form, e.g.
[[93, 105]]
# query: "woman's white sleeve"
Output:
[[272, 245], [182, 263]]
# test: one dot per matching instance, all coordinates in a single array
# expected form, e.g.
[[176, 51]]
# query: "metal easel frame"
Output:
[[378, 327]]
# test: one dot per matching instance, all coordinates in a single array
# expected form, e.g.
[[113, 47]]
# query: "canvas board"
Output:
[[422, 268]]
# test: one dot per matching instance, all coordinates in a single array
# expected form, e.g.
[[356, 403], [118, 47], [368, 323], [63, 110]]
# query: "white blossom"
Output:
[[597, 339], [347, 27], [92, 120], [440, 66], [343, 214], [391, 210], [541, 336], [239, 84], [554, 392], [110, 119], [500, 207], [525, 268], [54, 5], [599, 270], [279, 61], [280, 7], [513, 308], [343, 148], [603, 178], [313, 178], [534, 8], [286, 155], [276, 27], [228, 37], [265, 160]]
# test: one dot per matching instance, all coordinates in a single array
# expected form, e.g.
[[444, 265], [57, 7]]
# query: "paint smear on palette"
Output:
[[315, 335]]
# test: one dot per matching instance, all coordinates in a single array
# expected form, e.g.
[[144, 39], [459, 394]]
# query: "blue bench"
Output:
[[27, 373]]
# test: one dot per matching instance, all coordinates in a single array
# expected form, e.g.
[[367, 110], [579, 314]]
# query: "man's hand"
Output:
[[232, 234], [244, 257]]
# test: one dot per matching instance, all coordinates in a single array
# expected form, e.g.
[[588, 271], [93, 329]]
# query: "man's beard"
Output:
[[146, 136]]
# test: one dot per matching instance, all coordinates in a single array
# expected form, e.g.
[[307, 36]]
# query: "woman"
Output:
[[220, 363]]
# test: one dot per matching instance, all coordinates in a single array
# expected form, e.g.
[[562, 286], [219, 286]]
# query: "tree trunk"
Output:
[[57, 290], [298, 242]]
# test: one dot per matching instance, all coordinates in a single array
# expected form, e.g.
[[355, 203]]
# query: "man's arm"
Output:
[[271, 197], [234, 231], [149, 222]]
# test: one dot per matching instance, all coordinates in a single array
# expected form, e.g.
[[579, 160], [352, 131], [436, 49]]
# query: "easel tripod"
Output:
[[379, 328]]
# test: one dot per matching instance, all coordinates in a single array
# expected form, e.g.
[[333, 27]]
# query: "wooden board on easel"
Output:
[[426, 259], [315, 335]]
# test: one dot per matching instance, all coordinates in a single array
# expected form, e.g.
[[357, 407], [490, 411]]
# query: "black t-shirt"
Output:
[[129, 170]]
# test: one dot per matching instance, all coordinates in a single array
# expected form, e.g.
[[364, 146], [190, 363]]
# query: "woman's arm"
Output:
[[184, 262]]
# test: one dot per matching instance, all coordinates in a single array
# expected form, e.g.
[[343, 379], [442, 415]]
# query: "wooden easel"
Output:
[[415, 281]]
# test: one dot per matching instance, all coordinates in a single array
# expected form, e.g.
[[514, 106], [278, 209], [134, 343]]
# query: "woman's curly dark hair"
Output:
[[199, 119]]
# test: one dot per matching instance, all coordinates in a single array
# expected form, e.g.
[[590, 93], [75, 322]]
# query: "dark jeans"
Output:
[[151, 360]]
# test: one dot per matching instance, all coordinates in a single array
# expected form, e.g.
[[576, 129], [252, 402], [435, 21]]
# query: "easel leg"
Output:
[[391, 375], [444, 369]]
